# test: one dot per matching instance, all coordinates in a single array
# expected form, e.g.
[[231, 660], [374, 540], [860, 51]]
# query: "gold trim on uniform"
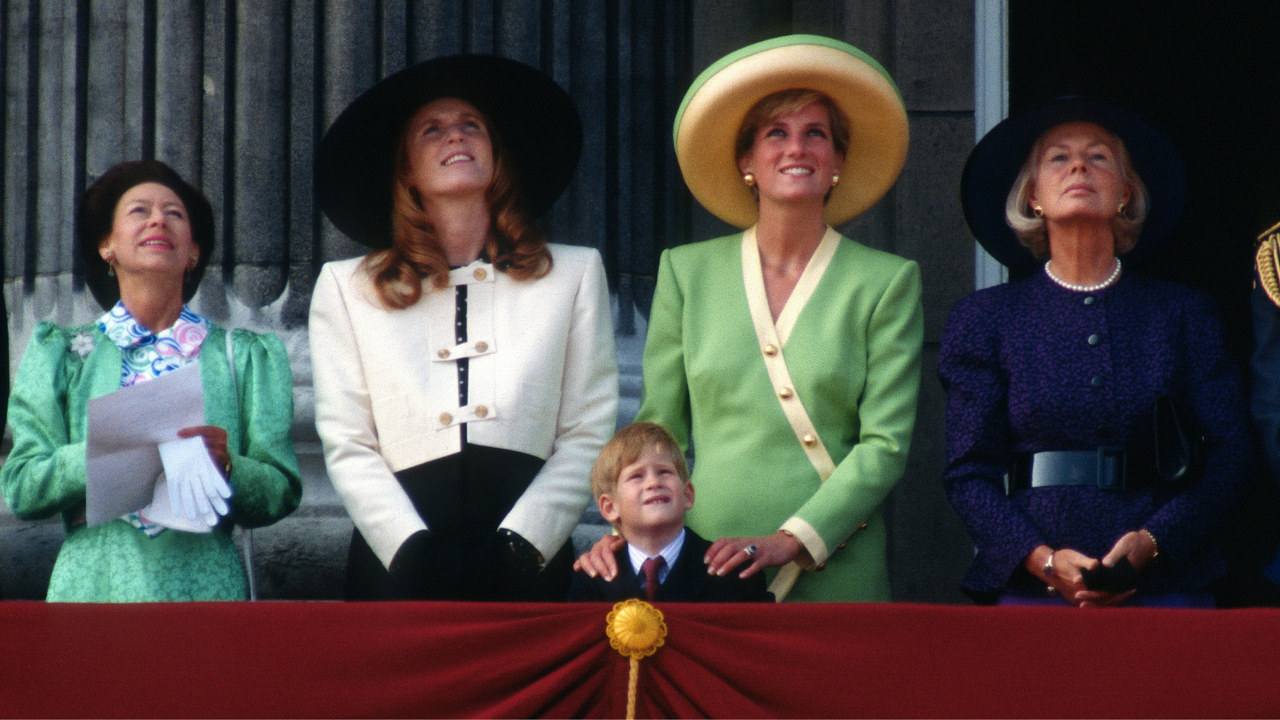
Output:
[[1268, 262]]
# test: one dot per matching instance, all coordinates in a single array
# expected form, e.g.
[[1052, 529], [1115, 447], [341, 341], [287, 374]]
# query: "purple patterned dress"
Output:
[[1031, 366]]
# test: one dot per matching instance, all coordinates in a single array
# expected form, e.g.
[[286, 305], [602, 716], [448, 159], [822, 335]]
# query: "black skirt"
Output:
[[462, 498]]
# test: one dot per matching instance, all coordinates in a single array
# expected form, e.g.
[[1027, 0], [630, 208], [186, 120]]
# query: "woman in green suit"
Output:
[[144, 237], [788, 356]]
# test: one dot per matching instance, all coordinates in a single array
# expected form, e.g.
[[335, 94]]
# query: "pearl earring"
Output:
[[835, 180], [749, 179]]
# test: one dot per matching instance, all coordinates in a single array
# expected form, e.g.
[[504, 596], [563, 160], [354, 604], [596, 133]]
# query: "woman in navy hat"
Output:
[[464, 369], [1096, 430]]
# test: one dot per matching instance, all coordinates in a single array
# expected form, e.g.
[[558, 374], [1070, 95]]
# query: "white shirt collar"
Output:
[[669, 553]]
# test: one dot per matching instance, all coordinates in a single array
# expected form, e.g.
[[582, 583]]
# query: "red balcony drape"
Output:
[[544, 660]]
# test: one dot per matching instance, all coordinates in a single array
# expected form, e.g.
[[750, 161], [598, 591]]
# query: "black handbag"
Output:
[[1179, 442]]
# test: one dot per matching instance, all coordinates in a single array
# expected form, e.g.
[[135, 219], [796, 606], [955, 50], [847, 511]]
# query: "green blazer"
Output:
[[854, 357], [114, 562]]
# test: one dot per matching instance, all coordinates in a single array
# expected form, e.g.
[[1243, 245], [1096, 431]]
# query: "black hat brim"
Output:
[[534, 117], [996, 160]]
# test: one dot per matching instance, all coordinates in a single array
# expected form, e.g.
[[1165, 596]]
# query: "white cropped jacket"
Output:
[[542, 380]]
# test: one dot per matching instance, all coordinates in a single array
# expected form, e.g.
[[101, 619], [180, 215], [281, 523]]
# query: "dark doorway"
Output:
[[1209, 74]]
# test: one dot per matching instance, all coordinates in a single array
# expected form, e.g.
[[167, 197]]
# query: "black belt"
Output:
[[1106, 467]]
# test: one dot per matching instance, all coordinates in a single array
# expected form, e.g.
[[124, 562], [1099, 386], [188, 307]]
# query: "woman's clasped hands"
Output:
[[1065, 571]]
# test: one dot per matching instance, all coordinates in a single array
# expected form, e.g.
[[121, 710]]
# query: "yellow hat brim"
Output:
[[707, 124]]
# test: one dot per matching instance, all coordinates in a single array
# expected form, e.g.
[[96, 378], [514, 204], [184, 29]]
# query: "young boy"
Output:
[[642, 486]]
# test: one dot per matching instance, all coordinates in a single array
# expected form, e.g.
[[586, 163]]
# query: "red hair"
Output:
[[515, 244]]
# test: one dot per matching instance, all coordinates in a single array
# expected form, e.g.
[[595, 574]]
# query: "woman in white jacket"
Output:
[[464, 370]]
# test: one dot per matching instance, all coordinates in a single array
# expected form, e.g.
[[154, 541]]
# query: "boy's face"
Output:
[[649, 495]]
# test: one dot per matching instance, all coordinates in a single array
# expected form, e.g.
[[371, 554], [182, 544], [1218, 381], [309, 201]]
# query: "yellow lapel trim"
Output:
[[771, 340]]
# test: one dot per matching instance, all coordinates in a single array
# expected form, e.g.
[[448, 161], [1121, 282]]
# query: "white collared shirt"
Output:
[[669, 553]]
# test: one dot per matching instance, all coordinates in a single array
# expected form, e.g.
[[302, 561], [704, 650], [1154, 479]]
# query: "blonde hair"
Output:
[[626, 446], [1031, 230], [515, 245]]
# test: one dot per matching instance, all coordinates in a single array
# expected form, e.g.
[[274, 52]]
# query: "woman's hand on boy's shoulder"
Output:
[[600, 560], [763, 551]]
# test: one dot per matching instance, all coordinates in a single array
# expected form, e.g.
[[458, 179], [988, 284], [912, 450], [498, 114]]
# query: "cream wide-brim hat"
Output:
[[707, 124]]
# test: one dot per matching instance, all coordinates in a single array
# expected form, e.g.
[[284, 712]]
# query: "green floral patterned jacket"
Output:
[[114, 562]]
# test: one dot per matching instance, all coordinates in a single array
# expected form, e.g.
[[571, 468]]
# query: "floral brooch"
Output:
[[82, 344]]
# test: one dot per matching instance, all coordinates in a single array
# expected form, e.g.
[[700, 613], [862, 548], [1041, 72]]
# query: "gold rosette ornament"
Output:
[[636, 630]]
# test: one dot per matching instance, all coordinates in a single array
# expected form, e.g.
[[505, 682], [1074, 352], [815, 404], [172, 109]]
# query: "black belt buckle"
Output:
[[1113, 468]]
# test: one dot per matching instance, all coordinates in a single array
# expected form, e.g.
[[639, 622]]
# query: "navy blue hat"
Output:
[[997, 159], [535, 119]]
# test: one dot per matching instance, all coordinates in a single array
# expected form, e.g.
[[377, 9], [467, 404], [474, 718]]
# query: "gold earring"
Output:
[[1120, 210], [1039, 211], [835, 180], [749, 179]]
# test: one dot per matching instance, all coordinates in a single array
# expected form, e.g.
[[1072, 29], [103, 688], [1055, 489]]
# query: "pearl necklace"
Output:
[[1115, 275]]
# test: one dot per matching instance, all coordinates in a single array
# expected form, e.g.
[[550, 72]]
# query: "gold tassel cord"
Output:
[[636, 629], [633, 686]]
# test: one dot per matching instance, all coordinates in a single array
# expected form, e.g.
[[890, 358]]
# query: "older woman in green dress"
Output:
[[788, 356], [144, 237]]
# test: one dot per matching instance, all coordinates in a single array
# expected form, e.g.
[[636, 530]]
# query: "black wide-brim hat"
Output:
[[995, 162], [535, 119]]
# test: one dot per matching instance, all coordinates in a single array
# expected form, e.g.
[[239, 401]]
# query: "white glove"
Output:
[[196, 487]]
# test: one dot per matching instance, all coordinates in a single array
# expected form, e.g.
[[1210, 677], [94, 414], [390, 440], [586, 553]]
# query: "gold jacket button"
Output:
[[482, 411], [444, 354], [479, 274], [770, 350], [785, 393], [809, 440], [482, 346], [445, 418]]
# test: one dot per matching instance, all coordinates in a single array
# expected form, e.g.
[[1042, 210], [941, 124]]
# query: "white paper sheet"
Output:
[[126, 427]]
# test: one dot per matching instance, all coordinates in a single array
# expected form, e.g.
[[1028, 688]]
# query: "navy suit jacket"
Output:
[[688, 580]]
